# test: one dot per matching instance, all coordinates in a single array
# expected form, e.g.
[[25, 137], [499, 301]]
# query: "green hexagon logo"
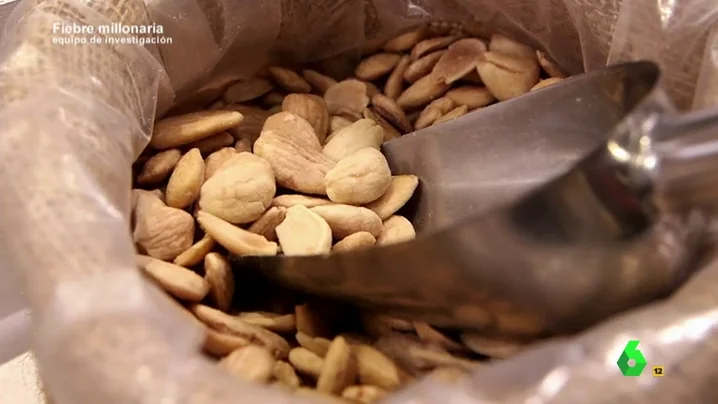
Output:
[[631, 352]]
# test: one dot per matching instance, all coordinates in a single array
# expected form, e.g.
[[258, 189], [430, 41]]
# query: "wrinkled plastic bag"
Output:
[[74, 117]]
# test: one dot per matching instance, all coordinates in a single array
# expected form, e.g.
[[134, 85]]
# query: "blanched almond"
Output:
[[159, 167], [355, 241], [318, 80], [362, 133], [195, 254], [429, 45], [422, 67], [240, 190], [503, 44], [395, 83], [218, 275], [312, 108], [306, 362], [304, 232], [339, 370], [494, 347], [175, 280], [359, 178], [545, 83], [236, 240], [251, 363], [251, 125], [271, 321], [186, 179], [389, 130], [184, 129], [287, 201], [347, 98], [337, 122], [347, 219], [397, 229], [400, 190], [267, 224], [215, 160], [246, 90], [376, 66], [549, 66], [284, 373], [405, 41], [289, 80], [317, 345], [422, 92], [213, 143], [364, 394], [459, 60], [507, 76], [471, 96], [291, 147], [435, 110], [457, 112]]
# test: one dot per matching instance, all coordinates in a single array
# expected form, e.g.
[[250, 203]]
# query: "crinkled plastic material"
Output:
[[74, 117]]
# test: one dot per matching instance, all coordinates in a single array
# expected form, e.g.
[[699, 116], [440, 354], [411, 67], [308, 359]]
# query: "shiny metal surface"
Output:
[[534, 216]]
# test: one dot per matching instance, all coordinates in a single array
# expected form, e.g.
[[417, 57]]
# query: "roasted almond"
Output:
[[304, 232], [503, 44], [430, 45], [400, 190], [388, 129], [312, 108], [359, 178], [397, 229], [179, 282], [395, 83], [392, 112], [549, 66], [422, 92], [435, 110], [545, 83], [289, 80], [267, 224], [405, 41], [471, 96], [318, 80], [376, 66], [355, 241], [236, 240], [459, 60], [507, 76], [347, 98], [345, 220], [362, 133], [247, 90], [457, 112], [422, 67], [184, 129]]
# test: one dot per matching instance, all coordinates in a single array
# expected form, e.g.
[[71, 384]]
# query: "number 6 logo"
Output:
[[631, 352]]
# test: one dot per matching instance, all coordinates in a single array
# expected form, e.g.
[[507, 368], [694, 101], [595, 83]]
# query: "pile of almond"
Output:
[[289, 162]]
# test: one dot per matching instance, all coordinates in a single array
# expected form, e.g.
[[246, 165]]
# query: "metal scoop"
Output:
[[542, 214]]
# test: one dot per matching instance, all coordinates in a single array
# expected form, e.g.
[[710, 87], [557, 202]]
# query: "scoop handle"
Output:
[[687, 160]]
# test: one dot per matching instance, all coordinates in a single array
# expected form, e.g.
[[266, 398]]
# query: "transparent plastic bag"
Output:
[[74, 117]]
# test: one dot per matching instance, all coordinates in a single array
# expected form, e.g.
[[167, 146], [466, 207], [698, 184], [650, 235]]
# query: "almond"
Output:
[[422, 67], [404, 42], [161, 231], [394, 84], [422, 92], [549, 66], [389, 110], [345, 220], [186, 180], [159, 167], [400, 190], [184, 129], [218, 275], [292, 148], [215, 160], [304, 232], [234, 239], [354, 241], [196, 253], [457, 112], [213, 143], [318, 80], [507, 76], [545, 83], [362, 133], [247, 90], [252, 123], [376, 66], [347, 98], [287, 201], [175, 280], [251, 363], [503, 44], [359, 178], [471, 96], [388, 129], [459, 60], [397, 229], [430, 45], [267, 224], [289, 80], [435, 110], [312, 108]]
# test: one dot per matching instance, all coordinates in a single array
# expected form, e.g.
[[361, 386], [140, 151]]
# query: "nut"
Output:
[[507, 76], [304, 232], [220, 344], [240, 190], [277, 346], [471, 96], [159, 167], [284, 373], [175, 280], [375, 368], [234, 239], [355, 241], [363, 394], [430, 45], [394, 84], [318, 80], [435, 110], [422, 67], [345, 220], [549, 66], [411, 354], [545, 83], [339, 370], [337, 122], [405, 41], [430, 335], [459, 60], [291, 147], [213, 143], [184, 129], [422, 92], [243, 146], [494, 347], [287, 201], [502, 44], [317, 345], [196, 253], [306, 362], [186, 180], [400, 190], [247, 90], [347, 98], [252, 123], [218, 275], [312, 108], [251, 363], [361, 177], [397, 229], [376, 66], [388, 129], [361, 134], [389, 110], [163, 232], [289, 80], [309, 321], [271, 321], [272, 99], [215, 160], [266, 225], [457, 112]]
